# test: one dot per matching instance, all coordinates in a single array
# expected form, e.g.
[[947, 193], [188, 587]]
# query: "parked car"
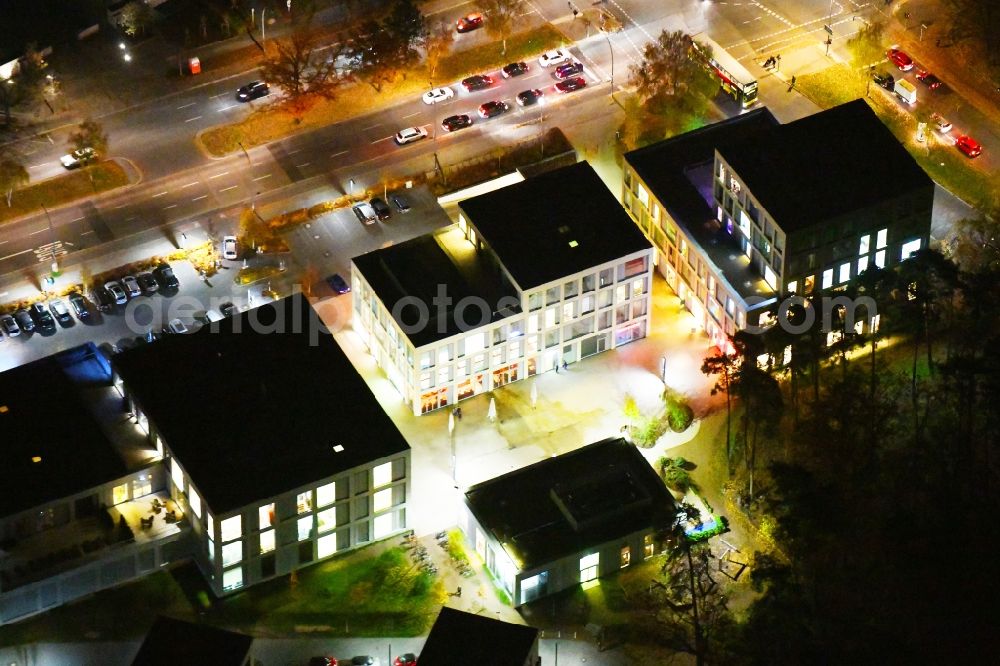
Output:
[[177, 326], [556, 57], [165, 276], [529, 97], [79, 305], [323, 661], [43, 318], [969, 146], [338, 284], [401, 203], [410, 134], [569, 85], [365, 213], [884, 80], [928, 79], [105, 301], [228, 309], [131, 286], [382, 210], [493, 109], [79, 157], [900, 59], [905, 91], [116, 291], [229, 248], [9, 325], [941, 124], [514, 69], [148, 283], [407, 659], [438, 95], [252, 91], [477, 82], [60, 312], [452, 123], [364, 660], [567, 70], [24, 320], [469, 22]]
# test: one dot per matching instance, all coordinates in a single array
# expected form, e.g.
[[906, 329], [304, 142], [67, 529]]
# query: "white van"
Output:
[[906, 91]]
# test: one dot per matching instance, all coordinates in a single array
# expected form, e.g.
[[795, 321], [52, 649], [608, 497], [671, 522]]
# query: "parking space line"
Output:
[[204, 196], [266, 175], [231, 187], [219, 175], [191, 120], [158, 195]]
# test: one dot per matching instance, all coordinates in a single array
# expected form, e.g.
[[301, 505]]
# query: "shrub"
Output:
[[646, 435], [674, 474], [679, 414]]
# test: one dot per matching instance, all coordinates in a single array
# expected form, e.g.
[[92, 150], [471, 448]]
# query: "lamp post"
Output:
[[454, 457], [263, 39]]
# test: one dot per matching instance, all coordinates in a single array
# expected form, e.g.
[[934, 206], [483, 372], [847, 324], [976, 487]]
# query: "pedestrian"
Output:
[[565, 366], [557, 368], [793, 81], [777, 59]]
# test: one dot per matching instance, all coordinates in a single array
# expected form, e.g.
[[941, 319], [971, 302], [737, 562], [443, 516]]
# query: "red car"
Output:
[[900, 59], [928, 79], [469, 23], [407, 659], [569, 85], [969, 146]]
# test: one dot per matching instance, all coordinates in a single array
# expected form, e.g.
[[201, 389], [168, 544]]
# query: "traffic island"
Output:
[[61, 190]]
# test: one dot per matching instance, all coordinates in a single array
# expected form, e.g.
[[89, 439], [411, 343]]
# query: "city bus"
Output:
[[735, 79]]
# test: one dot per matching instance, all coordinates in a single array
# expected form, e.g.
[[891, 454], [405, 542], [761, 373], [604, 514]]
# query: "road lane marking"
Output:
[[417, 113], [204, 196], [37, 232], [343, 152], [158, 195], [219, 95], [226, 108], [302, 166], [84, 233], [77, 219], [11, 256], [266, 175], [186, 106], [191, 120], [129, 219], [36, 166], [292, 152], [219, 175], [386, 138], [365, 129], [120, 206], [189, 185], [170, 206], [226, 189]]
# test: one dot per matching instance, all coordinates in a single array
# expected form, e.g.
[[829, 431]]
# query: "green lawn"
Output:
[[64, 189]]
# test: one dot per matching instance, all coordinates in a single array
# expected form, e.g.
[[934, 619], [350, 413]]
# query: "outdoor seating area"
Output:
[[150, 517]]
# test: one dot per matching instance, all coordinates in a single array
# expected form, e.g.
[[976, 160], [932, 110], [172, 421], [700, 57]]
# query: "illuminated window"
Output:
[[475, 342], [639, 287], [626, 556], [588, 567], [142, 485], [862, 264], [211, 551], [551, 317], [232, 528], [383, 499], [533, 323], [304, 502], [327, 520], [232, 553], [827, 278], [793, 286], [880, 240], [382, 475], [643, 196], [266, 541], [119, 494], [845, 272], [232, 579], [194, 501], [770, 278], [809, 283], [587, 304], [383, 525], [326, 545], [210, 524], [909, 249], [863, 246], [305, 527], [265, 516], [621, 293], [880, 258], [568, 310], [326, 494], [647, 546], [177, 474]]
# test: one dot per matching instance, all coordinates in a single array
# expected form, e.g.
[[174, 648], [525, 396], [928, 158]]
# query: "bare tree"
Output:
[[501, 17], [136, 17], [89, 134], [437, 47], [865, 46], [297, 67], [13, 175], [26, 85]]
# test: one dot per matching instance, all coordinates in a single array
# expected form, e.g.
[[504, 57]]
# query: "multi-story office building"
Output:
[[544, 272], [276, 449], [747, 211]]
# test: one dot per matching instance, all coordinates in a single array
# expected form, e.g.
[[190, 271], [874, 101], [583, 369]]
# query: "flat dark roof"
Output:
[[561, 506], [253, 408], [531, 226], [43, 415], [42, 22], [466, 638], [825, 165], [678, 171], [171, 642], [414, 270]]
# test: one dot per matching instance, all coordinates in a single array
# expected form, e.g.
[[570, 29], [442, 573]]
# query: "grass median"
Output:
[[64, 189], [272, 123], [966, 178]]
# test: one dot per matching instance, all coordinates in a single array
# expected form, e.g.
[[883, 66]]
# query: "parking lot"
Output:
[[326, 245]]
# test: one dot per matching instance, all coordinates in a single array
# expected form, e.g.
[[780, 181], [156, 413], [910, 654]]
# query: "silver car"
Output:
[[117, 293], [10, 326], [131, 286]]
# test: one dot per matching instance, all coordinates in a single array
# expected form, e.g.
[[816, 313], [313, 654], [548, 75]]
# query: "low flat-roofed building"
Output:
[[746, 211], [567, 520], [67, 527], [173, 642], [275, 446], [458, 637], [539, 273]]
